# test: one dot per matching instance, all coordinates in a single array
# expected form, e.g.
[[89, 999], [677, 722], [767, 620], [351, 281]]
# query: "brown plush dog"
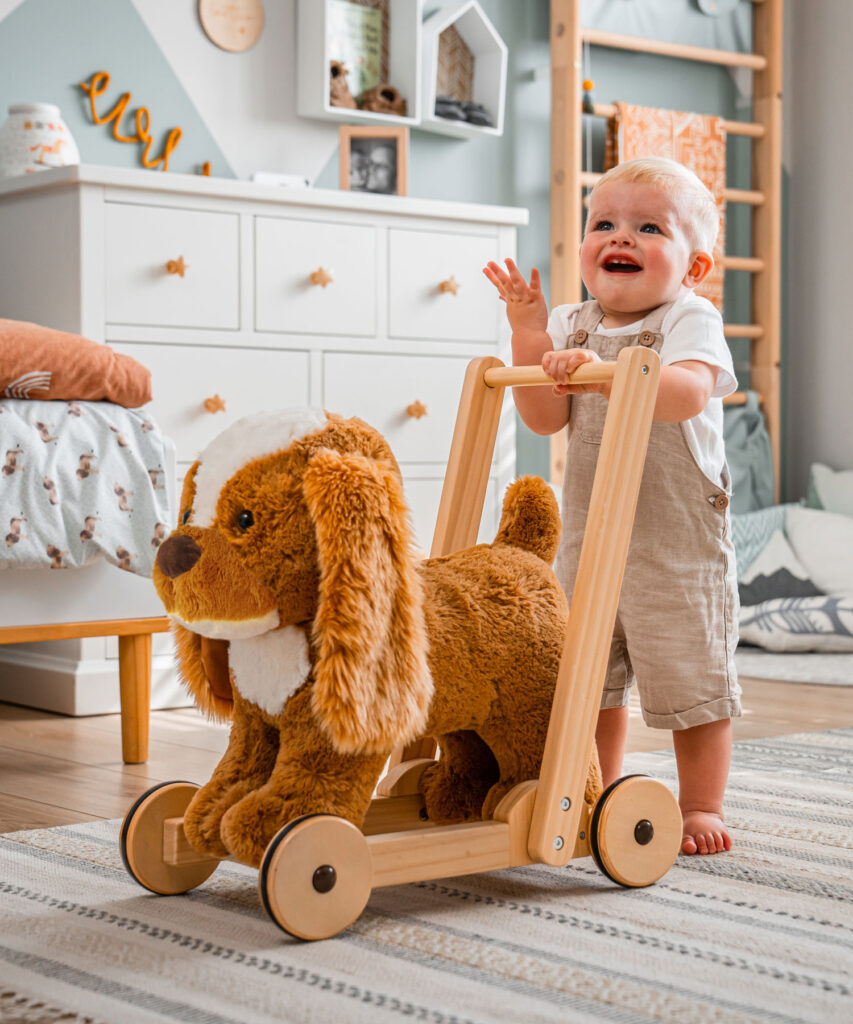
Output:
[[302, 613]]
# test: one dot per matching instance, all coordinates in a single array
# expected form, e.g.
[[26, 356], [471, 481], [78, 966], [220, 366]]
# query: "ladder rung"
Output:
[[751, 263], [743, 330], [750, 128], [731, 195], [739, 398], [700, 53]]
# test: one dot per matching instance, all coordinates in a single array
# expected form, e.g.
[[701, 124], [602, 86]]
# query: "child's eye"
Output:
[[651, 229], [603, 225]]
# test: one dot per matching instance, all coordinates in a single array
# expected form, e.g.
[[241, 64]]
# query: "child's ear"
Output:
[[699, 267]]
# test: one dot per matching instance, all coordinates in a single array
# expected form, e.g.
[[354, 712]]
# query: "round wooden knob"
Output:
[[416, 410], [322, 277], [214, 404], [450, 285], [177, 266]]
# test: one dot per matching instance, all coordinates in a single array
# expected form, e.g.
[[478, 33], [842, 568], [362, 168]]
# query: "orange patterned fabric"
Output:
[[696, 140]]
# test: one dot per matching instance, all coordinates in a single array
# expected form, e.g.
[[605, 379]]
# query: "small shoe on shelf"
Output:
[[476, 113], [447, 106]]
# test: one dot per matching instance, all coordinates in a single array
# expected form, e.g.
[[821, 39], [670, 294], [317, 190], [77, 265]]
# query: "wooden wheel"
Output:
[[315, 878], [635, 832], [141, 841]]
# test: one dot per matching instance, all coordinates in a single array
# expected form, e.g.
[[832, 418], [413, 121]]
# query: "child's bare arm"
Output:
[[685, 389], [543, 412]]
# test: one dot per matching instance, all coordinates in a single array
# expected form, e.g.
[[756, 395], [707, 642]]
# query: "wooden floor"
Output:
[[57, 771]]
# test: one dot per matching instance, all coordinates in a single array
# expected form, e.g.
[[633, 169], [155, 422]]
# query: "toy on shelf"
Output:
[[339, 91], [383, 99], [301, 612]]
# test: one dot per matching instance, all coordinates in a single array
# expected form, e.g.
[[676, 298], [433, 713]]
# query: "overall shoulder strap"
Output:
[[587, 320]]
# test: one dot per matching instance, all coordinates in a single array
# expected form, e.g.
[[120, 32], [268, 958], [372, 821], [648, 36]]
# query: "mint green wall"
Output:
[[48, 46]]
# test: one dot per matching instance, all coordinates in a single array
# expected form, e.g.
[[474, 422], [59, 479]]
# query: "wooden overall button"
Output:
[[581, 336]]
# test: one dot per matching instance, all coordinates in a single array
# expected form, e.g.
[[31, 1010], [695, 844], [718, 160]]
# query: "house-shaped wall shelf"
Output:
[[332, 30], [465, 58]]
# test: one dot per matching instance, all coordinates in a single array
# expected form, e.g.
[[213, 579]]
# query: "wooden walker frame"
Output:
[[318, 871]]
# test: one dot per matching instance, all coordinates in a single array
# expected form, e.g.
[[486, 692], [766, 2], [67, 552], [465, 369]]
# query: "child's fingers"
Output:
[[535, 283], [496, 279]]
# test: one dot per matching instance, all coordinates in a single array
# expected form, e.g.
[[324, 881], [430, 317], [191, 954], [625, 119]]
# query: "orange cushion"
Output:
[[41, 363]]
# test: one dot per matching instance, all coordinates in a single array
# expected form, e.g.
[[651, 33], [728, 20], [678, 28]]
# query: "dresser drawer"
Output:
[[248, 381], [289, 252], [419, 263], [385, 392], [423, 495], [202, 249]]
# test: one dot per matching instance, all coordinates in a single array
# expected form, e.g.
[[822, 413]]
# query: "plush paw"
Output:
[[247, 827], [203, 817]]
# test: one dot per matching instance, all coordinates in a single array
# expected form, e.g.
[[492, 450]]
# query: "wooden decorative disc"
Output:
[[233, 25]]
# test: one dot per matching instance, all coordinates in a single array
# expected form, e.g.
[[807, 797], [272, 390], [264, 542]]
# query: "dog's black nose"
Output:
[[177, 555]]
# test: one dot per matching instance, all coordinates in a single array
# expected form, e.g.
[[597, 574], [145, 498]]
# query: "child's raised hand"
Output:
[[525, 303], [561, 365]]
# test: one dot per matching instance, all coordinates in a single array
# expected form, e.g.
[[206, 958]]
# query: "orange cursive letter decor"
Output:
[[96, 87]]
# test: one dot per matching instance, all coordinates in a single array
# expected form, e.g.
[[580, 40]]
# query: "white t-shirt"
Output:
[[692, 329]]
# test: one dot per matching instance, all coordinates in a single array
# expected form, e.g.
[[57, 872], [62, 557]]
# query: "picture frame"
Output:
[[374, 159]]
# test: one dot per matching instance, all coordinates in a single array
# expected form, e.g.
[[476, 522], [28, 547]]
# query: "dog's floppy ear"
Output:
[[372, 686], [203, 666]]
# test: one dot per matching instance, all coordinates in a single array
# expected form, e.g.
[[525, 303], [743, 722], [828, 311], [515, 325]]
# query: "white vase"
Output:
[[35, 138]]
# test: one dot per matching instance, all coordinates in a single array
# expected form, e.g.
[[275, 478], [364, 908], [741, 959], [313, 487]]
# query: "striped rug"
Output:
[[764, 933]]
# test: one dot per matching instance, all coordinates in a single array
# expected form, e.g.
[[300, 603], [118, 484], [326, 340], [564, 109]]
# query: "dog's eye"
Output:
[[185, 518], [245, 520]]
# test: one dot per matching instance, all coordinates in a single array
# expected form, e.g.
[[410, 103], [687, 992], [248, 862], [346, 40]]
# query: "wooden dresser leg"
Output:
[[134, 667]]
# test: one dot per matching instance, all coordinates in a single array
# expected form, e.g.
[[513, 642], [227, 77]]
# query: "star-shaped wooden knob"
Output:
[[322, 277], [177, 266], [215, 403], [450, 285], [416, 410]]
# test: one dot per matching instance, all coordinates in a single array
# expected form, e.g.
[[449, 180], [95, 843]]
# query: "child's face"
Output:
[[635, 255]]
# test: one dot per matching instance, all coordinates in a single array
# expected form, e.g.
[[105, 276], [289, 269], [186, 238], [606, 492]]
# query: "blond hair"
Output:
[[700, 218]]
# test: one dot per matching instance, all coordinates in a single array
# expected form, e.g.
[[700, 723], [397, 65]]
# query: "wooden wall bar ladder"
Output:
[[568, 182]]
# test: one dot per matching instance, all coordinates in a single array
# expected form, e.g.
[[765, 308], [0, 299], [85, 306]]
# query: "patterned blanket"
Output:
[[79, 481]]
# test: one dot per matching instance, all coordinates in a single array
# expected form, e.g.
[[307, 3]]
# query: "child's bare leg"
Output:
[[611, 735], [703, 754]]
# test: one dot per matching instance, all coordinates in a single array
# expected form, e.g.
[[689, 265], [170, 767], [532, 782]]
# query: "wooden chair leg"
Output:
[[134, 666]]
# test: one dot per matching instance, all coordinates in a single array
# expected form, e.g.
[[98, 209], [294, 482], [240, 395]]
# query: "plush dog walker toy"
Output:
[[316, 870]]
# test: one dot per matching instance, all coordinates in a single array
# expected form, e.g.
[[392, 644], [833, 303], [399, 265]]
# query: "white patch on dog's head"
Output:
[[249, 438]]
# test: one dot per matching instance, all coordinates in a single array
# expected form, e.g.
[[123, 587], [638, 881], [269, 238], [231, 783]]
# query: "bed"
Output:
[[87, 492]]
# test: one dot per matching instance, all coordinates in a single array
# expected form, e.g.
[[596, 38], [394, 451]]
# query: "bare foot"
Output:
[[704, 832]]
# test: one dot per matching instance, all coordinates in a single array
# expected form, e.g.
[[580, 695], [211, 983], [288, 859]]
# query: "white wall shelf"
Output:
[[471, 31], [314, 54]]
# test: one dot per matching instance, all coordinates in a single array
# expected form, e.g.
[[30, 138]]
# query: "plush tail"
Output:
[[530, 518]]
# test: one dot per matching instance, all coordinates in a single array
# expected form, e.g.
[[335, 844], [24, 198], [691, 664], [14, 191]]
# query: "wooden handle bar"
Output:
[[527, 376]]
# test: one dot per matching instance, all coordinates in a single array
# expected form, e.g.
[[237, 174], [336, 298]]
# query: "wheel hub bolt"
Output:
[[644, 832], [324, 878]]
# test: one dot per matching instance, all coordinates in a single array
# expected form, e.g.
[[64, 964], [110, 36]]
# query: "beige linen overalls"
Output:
[[676, 624]]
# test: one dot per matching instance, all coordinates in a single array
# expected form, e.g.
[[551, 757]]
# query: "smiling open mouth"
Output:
[[621, 267]]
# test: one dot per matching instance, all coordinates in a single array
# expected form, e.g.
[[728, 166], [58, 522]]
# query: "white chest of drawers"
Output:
[[89, 250]]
